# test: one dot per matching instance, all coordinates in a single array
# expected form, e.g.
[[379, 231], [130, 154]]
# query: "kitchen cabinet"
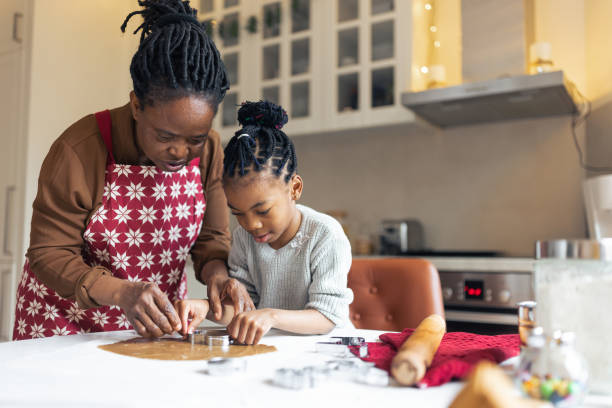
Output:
[[12, 61], [333, 65], [7, 303], [11, 25]]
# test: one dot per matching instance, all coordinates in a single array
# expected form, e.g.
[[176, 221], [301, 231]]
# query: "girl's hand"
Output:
[[221, 287], [249, 327], [194, 309]]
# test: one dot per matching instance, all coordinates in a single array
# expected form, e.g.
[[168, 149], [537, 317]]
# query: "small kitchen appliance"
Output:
[[598, 203], [401, 236]]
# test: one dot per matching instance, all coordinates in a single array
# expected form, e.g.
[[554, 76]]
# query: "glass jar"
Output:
[[573, 287], [552, 371]]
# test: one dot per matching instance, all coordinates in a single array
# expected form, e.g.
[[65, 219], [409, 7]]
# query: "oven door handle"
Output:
[[480, 317]]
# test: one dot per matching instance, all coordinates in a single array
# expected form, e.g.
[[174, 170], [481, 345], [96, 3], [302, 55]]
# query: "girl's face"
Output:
[[264, 205], [171, 134]]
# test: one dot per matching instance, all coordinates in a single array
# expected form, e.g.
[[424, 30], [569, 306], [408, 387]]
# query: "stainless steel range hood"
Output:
[[517, 97]]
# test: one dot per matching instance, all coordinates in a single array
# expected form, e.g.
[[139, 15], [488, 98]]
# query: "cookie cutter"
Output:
[[197, 337], [225, 366], [218, 338], [371, 375], [339, 346], [300, 378], [344, 369]]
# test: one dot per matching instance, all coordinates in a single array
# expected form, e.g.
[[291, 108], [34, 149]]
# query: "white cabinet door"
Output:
[[332, 64], [11, 134], [7, 299], [368, 59], [11, 25], [10, 127]]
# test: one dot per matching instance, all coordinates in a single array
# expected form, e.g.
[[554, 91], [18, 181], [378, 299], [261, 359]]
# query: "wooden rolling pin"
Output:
[[414, 356]]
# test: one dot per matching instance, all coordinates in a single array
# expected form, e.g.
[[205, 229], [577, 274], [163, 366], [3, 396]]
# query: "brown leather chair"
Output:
[[393, 293]]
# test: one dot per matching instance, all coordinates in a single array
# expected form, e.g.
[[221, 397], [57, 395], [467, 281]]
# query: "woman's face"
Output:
[[171, 134], [264, 205]]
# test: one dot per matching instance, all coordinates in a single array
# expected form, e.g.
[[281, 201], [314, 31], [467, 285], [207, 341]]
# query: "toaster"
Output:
[[401, 236]]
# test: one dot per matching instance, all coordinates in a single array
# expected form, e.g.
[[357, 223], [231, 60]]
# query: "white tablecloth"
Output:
[[71, 371]]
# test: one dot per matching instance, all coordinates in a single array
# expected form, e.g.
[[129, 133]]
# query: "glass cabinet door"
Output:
[[348, 10], [271, 20], [382, 40], [222, 22], [300, 99], [365, 58], [348, 47], [382, 47], [271, 61], [300, 15], [300, 56], [347, 39], [272, 50]]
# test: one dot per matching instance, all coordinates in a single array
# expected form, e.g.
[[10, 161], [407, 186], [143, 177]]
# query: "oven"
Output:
[[480, 294]]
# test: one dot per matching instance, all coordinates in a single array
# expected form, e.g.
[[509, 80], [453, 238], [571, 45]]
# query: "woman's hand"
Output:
[[148, 309], [194, 309], [250, 327], [220, 287]]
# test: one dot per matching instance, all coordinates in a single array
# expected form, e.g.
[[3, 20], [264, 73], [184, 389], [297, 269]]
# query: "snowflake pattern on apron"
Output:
[[143, 231]]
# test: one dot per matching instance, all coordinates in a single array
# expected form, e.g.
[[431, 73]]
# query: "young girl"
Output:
[[293, 260]]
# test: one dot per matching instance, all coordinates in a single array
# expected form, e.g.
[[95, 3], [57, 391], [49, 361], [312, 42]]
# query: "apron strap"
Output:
[[104, 124]]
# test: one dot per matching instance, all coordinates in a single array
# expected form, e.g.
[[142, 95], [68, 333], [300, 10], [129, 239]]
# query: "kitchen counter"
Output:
[[459, 263]]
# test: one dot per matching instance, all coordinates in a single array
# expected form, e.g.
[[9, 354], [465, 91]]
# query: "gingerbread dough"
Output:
[[177, 349]]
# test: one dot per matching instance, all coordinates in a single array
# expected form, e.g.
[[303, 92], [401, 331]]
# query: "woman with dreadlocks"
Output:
[[125, 195], [293, 260]]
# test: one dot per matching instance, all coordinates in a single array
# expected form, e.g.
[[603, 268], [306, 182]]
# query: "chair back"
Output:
[[393, 293]]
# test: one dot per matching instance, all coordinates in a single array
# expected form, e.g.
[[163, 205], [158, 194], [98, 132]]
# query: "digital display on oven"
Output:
[[473, 289]]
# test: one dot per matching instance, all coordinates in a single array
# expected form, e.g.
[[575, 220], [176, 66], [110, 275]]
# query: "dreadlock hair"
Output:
[[260, 143], [175, 57]]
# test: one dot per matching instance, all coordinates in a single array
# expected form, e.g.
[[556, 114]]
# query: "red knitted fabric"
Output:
[[457, 354]]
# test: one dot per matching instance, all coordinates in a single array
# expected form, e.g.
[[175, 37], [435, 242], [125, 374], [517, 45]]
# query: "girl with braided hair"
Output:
[[293, 260], [126, 195]]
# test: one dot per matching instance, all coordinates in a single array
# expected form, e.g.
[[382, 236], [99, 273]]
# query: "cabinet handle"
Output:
[[16, 18], [7, 219]]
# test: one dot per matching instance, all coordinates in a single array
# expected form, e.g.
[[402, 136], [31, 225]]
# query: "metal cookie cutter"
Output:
[[225, 366], [338, 346], [218, 338], [297, 379], [197, 337]]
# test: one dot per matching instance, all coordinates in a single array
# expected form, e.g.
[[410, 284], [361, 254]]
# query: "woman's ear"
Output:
[[135, 105], [297, 184]]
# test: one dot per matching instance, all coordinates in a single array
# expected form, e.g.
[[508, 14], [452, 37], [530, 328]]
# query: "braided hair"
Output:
[[175, 57], [260, 143]]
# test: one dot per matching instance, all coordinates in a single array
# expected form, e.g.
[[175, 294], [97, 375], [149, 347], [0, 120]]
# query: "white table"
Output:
[[72, 371]]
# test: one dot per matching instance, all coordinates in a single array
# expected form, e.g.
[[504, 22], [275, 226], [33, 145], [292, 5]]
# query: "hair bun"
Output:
[[262, 113]]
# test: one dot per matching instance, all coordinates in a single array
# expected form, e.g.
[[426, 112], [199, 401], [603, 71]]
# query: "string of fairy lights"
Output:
[[432, 69]]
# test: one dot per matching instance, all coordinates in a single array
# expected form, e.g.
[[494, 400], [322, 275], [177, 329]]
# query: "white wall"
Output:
[[485, 187], [79, 65]]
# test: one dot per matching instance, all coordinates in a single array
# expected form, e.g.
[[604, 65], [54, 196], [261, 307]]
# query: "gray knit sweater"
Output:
[[310, 272]]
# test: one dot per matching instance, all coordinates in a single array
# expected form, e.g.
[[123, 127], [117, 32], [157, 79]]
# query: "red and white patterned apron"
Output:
[[143, 231]]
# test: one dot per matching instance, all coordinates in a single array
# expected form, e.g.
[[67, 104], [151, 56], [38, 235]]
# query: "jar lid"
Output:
[[526, 310], [575, 249]]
